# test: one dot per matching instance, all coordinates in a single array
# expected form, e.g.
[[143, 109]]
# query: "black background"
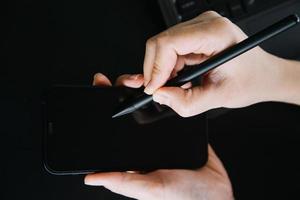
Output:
[[66, 42]]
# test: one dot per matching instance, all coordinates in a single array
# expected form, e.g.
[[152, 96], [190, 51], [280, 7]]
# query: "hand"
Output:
[[209, 182], [250, 78]]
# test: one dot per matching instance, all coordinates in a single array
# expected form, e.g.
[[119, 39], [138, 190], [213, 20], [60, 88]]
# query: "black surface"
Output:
[[62, 42], [68, 41], [259, 146]]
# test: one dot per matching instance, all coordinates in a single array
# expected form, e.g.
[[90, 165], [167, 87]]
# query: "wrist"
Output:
[[266, 81]]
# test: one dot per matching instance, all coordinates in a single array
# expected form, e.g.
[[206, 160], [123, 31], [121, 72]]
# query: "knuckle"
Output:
[[211, 13], [150, 42], [161, 41], [226, 21], [156, 69], [223, 22], [163, 38], [227, 26]]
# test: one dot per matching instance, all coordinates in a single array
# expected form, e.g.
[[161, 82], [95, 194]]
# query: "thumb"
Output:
[[129, 184], [186, 102]]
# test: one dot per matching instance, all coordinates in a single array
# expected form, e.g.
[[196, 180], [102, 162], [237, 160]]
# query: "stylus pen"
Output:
[[214, 62]]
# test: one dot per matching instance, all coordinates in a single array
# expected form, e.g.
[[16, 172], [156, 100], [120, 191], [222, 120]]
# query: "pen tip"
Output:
[[116, 115], [123, 112]]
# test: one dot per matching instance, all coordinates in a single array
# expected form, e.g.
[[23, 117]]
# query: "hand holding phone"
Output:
[[208, 182]]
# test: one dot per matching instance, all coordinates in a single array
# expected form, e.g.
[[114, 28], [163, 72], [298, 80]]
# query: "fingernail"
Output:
[[132, 172], [149, 89], [90, 182], [98, 75], [134, 77]]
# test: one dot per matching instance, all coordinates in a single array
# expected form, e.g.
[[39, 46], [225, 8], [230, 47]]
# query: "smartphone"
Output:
[[82, 137]]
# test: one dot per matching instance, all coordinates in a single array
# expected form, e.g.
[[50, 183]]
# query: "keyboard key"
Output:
[[186, 6], [236, 8], [249, 4], [233, 9]]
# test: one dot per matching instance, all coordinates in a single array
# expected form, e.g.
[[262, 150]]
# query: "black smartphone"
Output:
[[82, 137]]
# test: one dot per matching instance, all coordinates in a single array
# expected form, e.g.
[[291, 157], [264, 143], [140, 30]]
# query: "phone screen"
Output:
[[81, 136]]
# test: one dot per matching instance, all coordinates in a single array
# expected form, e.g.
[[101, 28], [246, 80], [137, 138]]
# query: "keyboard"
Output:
[[176, 11], [250, 15]]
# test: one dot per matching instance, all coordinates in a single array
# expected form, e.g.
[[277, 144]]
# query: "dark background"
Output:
[[66, 42]]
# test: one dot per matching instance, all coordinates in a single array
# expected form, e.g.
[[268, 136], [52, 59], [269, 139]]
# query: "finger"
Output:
[[186, 102], [214, 162], [149, 59], [101, 80], [188, 85], [129, 184], [186, 60], [180, 64], [130, 80], [164, 62]]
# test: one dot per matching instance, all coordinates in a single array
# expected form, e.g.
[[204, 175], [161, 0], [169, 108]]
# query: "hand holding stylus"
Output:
[[195, 42], [253, 77]]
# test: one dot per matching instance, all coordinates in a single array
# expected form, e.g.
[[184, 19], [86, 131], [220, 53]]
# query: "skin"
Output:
[[253, 77]]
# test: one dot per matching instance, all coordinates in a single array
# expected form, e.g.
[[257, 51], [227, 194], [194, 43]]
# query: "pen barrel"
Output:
[[234, 51]]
